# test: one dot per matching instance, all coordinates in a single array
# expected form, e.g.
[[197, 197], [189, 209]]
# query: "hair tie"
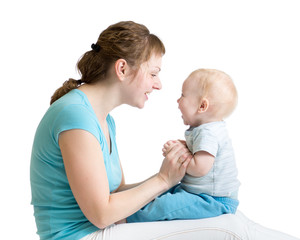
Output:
[[79, 82], [96, 47]]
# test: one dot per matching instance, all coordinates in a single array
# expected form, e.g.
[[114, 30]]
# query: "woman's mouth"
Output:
[[147, 94]]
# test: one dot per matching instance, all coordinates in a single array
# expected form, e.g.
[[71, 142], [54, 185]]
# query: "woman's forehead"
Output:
[[154, 62]]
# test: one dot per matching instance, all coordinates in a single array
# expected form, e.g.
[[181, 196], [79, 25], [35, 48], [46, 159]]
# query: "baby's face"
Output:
[[188, 102]]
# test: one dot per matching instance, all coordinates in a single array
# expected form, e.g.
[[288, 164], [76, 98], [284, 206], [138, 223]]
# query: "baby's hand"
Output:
[[168, 146]]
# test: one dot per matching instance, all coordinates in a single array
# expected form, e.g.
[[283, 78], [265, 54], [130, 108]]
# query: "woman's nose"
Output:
[[157, 84]]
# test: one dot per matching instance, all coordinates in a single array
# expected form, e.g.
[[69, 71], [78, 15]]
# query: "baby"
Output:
[[208, 97], [210, 186]]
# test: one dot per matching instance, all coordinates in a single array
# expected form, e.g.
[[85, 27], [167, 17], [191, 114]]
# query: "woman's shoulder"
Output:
[[72, 112], [73, 104], [74, 97]]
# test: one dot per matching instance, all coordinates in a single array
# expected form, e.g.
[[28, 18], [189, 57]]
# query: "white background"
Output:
[[256, 42]]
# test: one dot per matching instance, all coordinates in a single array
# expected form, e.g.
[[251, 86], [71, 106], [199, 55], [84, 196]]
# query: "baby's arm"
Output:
[[200, 164]]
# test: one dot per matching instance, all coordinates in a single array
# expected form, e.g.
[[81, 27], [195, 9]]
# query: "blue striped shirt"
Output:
[[221, 180]]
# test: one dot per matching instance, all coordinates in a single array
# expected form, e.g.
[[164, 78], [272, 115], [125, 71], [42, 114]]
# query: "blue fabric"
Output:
[[56, 211], [180, 204]]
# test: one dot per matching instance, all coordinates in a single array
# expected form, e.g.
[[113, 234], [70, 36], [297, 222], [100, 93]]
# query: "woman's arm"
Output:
[[123, 186], [86, 173]]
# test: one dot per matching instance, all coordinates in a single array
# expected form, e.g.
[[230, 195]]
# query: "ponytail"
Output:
[[65, 88]]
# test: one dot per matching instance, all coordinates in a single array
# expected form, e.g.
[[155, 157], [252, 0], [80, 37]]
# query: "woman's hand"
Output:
[[177, 158]]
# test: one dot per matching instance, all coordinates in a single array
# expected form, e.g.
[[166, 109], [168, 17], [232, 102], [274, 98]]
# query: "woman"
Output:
[[78, 186]]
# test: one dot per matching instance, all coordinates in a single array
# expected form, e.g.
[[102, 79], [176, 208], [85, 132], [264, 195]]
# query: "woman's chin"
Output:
[[140, 105]]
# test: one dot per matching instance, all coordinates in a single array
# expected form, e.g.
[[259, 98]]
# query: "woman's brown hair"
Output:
[[127, 40]]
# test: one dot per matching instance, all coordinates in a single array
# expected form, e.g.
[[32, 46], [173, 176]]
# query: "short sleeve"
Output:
[[204, 139], [76, 116]]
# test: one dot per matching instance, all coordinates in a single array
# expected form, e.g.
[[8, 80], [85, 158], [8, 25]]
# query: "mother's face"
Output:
[[145, 81]]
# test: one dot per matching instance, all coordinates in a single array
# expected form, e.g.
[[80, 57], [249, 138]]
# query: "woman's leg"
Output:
[[225, 227], [258, 232], [206, 229]]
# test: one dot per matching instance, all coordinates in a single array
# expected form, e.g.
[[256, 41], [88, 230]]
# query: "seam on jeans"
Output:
[[197, 229]]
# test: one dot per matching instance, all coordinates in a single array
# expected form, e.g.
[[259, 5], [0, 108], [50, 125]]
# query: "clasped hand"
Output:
[[177, 157]]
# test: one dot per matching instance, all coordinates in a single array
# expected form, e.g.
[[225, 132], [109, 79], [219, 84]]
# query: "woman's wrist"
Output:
[[162, 182]]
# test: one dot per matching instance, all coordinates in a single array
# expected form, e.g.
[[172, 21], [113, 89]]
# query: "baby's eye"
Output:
[[153, 75]]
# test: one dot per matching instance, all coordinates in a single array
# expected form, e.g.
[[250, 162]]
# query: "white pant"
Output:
[[224, 227]]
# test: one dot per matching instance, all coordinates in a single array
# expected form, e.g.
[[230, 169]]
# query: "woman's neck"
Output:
[[103, 97]]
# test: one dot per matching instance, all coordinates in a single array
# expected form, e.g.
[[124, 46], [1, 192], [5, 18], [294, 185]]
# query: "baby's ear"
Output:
[[203, 105]]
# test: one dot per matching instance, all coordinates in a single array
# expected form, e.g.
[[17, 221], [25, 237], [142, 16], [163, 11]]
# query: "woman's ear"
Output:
[[203, 105], [121, 67]]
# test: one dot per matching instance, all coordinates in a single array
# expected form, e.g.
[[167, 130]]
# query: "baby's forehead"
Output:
[[191, 85], [189, 82], [194, 81], [192, 78]]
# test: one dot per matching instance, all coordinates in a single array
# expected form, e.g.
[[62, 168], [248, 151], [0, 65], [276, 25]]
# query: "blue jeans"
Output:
[[180, 204]]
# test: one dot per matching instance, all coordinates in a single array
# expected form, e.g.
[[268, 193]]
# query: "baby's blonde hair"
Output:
[[218, 88]]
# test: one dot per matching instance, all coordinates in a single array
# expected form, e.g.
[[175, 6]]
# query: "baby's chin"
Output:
[[185, 123]]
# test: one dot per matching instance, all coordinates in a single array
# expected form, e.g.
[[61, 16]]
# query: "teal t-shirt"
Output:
[[56, 211]]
